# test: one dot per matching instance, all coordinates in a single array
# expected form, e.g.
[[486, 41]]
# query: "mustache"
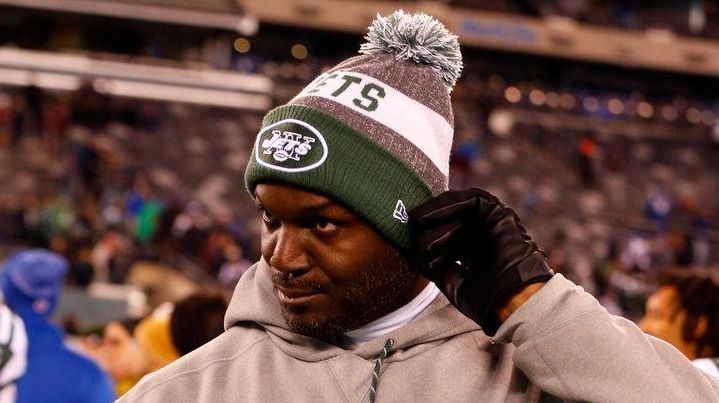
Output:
[[286, 280]]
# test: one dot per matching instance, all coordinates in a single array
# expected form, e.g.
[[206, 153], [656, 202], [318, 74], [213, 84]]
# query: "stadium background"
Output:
[[125, 126]]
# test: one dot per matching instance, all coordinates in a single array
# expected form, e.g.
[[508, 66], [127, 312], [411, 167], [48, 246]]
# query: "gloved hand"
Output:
[[477, 252]]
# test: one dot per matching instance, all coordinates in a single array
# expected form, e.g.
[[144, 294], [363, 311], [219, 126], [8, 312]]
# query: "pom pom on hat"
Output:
[[418, 37]]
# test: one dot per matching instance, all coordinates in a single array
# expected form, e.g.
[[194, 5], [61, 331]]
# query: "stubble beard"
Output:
[[377, 291]]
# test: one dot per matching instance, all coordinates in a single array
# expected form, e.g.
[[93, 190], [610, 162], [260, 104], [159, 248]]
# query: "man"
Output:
[[31, 282], [683, 312], [340, 308]]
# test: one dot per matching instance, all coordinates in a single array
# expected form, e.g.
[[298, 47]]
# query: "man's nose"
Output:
[[289, 254]]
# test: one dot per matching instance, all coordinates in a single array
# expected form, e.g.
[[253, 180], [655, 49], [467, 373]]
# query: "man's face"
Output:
[[331, 271], [122, 356], [664, 318]]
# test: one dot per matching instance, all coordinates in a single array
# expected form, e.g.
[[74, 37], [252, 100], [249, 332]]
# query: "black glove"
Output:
[[476, 251]]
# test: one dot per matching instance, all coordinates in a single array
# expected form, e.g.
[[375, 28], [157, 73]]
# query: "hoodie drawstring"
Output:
[[377, 366]]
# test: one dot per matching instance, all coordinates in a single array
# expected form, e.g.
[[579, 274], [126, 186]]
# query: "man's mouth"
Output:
[[293, 290], [296, 295]]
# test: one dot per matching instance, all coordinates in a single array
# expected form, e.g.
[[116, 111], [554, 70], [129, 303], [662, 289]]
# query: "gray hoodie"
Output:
[[561, 340]]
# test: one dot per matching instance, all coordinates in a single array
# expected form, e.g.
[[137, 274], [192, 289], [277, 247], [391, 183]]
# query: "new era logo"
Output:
[[400, 212]]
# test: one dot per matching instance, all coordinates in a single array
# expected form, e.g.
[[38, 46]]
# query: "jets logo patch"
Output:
[[290, 145]]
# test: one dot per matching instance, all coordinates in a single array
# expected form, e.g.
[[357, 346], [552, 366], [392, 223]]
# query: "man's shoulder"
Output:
[[196, 371]]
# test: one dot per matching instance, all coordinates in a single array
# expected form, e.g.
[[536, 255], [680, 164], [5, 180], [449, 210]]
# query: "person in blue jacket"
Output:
[[31, 282]]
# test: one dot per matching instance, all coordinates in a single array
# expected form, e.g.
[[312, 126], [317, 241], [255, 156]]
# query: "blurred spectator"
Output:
[[192, 227], [213, 254], [9, 222], [143, 208], [587, 152], [636, 256], [464, 155], [34, 98], [529, 204], [89, 108], [234, 267], [28, 218], [31, 283], [614, 159], [57, 215], [82, 273], [659, 206], [701, 233], [112, 210], [19, 118], [13, 362], [87, 160], [121, 355], [604, 270], [107, 256], [154, 339], [196, 320], [557, 256], [56, 118], [683, 312], [5, 119]]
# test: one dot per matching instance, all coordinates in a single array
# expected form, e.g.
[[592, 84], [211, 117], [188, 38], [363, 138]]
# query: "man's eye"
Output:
[[325, 225], [267, 217]]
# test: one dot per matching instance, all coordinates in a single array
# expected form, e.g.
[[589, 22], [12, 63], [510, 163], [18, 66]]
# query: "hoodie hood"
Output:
[[424, 360], [254, 301]]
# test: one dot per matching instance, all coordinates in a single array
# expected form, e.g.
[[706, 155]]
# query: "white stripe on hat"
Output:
[[425, 128]]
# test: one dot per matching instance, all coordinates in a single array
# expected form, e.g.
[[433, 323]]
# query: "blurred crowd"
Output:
[[96, 206], [611, 206], [102, 214], [50, 366], [696, 17]]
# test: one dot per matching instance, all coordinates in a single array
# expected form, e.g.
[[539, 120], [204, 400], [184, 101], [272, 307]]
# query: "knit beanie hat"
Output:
[[32, 280], [375, 131]]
